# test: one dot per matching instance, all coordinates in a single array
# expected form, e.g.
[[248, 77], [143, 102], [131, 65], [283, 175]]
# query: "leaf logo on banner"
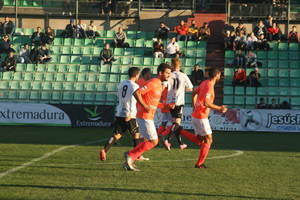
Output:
[[93, 114]]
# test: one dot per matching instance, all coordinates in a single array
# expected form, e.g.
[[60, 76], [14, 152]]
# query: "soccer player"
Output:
[[148, 98], [178, 84], [145, 76], [203, 98], [126, 112]]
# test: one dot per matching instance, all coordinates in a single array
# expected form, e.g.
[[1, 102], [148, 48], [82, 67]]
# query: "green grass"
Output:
[[268, 169]]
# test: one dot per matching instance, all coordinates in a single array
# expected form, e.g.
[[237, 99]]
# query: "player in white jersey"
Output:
[[126, 112], [178, 84]]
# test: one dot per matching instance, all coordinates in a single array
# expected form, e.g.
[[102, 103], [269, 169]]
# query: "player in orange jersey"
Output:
[[203, 98], [148, 98], [145, 76]]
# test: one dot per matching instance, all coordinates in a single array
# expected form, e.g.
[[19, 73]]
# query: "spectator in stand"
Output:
[[274, 33], [293, 35], [273, 104], [253, 78], [10, 62], [197, 75], [11, 48], [120, 38], [106, 55], [8, 27], [67, 7], [260, 29], [269, 21], [240, 42], [172, 49], [204, 32], [182, 31], [241, 28], [48, 36], [5, 44], [239, 59], [162, 32], [251, 42], [251, 60], [34, 53], [81, 29], [43, 54], [92, 30], [239, 77], [285, 105], [36, 37], [193, 31], [262, 43], [229, 40], [25, 54], [158, 49], [70, 30], [228, 27], [262, 104]]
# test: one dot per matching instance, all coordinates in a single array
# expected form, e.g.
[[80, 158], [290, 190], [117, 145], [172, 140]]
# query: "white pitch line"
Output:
[[46, 155]]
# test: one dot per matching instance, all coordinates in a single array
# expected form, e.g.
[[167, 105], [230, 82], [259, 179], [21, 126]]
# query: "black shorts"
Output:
[[177, 111], [121, 126]]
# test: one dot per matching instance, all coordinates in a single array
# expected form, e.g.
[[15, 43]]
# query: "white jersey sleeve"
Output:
[[127, 102], [178, 83]]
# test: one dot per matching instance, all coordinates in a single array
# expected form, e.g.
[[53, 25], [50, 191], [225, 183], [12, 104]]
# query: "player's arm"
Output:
[[208, 104], [138, 96], [194, 97], [188, 84]]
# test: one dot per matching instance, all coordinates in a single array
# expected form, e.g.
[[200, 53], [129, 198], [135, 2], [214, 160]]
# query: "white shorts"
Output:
[[201, 126], [147, 129], [166, 117]]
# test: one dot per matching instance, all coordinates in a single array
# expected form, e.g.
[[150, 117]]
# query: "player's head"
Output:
[[134, 72], [175, 62], [146, 74], [214, 73], [164, 71]]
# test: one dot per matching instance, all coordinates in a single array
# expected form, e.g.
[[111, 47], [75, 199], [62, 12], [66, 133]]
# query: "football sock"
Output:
[[140, 149], [175, 126], [109, 143], [161, 129], [179, 140], [190, 136], [135, 142], [203, 153]]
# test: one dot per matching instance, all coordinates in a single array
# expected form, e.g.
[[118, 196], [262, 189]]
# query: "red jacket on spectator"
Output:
[[273, 31], [181, 30], [240, 75]]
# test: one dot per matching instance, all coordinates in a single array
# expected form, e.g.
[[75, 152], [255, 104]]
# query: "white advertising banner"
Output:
[[32, 114], [247, 120]]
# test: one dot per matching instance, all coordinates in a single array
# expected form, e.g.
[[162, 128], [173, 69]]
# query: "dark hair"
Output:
[[145, 71], [213, 72], [133, 71], [162, 67]]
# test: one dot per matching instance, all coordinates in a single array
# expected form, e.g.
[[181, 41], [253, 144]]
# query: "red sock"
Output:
[[166, 131], [140, 149], [160, 130], [191, 137], [203, 153]]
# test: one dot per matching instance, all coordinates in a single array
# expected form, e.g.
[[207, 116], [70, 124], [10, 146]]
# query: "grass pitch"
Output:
[[268, 169]]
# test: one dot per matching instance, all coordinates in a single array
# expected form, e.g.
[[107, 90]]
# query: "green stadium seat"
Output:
[[85, 60], [283, 46], [148, 43], [111, 97], [105, 68], [45, 96], [89, 97], [148, 61], [75, 59], [101, 87], [202, 44], [190, 53], [284, 82], [200, 61], [78, 97], [251, 100], [58, 33], [294, 91], [283, 64], [228, 100], [140, 34], [60, 77], [54, 59], [30, 68], [110, 34], [87, 50], [96, 51], [158, 61], [201, 53], [284, 91], [295, 101], [79, 86], [34, 95], [112, 87], [149, 35], [28, 77], [4, 85], [191, 44], [103, 78], [272, 54], [73, 68], [181, 44], [118, 51], [239, 90], [228, 72], [71, 77], [47, 86], [295, 73], [15, 85], [68, 97], [51, 68], [92, 77], [115, 69], [79, 42], [66, 50], [273, 45], [126, 60], [88, 42], [13, 95], [100, 97], [114, 78], [77, 50], [261, 55], [58, 41], [90, 87], [65, 59], [293, 46], [283, 55], [49, 77], [124, 69], [188, 70], [123, 77], [62, 68], [273, 91], [17, 76], [272, 73], [227, 80], [294, 55], [68, 41], [229, 54], [84, 68], [55, 97], [272, 64], [273, 82], [95, 60], [294, 64], [57, 86], [39, 76], [239, 100], [228, 90], [190, 62], [139, 43], [94, 68], [99, 43], [283, 73], [20, 67], [25, 85], [138, 61], [131, 42], [41, 68], [23, 95], [251, 91], [36, 85], [8, 2], [81, 77]]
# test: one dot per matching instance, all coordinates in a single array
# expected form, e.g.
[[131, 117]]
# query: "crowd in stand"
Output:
[[273, 105]]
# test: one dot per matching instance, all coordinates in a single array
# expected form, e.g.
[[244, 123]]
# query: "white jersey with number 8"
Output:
[[127, 102], [177, 84]]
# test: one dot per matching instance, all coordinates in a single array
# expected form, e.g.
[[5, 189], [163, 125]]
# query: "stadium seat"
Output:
[[71, 77], [47, 86], [78, 97], [20, 67], [229, 54], [73, 68], [283, 64], [88, 98], [228, 90], [94, 68], [45, 96], [295, 82], [126, 60], [251, 91], [17, 76], [34, 95], [100, 97], [138, 61], [295, 73], [139, 43], [62, 68], [38, 76], [295, 101], [57, 86], [294, 64], [67, 97], [284, 82], [85, 60], [114, 78], [283, 55], [149, 35], [148, 43], [79, 86], [81, 77], [239, 90], [295, 91], [99, 43], [66, 50], [75, 59], [105, 68], [90, 87], [110, 34], [55, 97], [283, 73], [49, 77], [68, 41], [30, 68], [4, 85], [228, 72], [103, 78], [228, 100], [115, 69], [51, 68], [15, 85], [239, 100], [273, 91], [251, 101], [261, 55], [293, 46], [272, 73], [283, 46], [28, 77], [92, 77], [272, 54], [284, 91], [58, 41], [41, 68], [36, 85], [273, 46], [23, 95], [148, 61], [294, 55], [273, 82], [79, 42], [60, 77]]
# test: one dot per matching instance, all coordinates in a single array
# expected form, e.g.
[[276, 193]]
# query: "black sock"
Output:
[[174, 128], [135, 142], [179, 140], [109, 143]]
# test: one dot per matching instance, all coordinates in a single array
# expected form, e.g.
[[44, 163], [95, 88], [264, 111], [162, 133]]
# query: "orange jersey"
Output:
[[141, 82], [204, 91], [163, 100], [151, 94]]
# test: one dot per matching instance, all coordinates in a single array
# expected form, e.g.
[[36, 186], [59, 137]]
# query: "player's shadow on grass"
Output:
[[135, 190]]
